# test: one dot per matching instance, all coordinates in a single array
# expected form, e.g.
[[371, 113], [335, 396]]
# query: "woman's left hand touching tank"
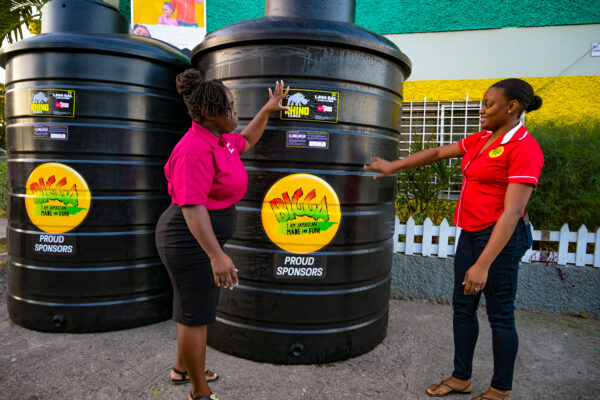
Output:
[[385, 167]]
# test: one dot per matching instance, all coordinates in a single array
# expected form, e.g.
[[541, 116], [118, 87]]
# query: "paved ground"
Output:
[[559, 358]]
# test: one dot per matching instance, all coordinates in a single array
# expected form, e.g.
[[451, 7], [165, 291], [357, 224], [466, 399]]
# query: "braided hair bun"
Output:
[[518, 89], [202, 97], [187, 80], [535, 104]]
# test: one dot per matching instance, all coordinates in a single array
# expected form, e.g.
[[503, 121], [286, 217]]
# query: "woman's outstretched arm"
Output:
[[414, 160]]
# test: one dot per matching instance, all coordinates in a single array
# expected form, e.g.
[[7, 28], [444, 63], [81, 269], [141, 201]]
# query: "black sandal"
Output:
[[182, 380], [185, 379], [211, 397]]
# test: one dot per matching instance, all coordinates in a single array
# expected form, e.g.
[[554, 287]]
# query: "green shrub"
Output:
[[443, 209], [569, 187], [2, 122], [420, 188]]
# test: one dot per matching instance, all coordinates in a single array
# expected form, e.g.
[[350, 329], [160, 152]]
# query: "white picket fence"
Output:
[[444, 231]]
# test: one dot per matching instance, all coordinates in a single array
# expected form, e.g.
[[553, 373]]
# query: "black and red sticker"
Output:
[[311, 105], [52, 102]]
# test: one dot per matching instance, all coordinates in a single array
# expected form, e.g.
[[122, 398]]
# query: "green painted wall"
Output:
[[125, 9], [409, 16]]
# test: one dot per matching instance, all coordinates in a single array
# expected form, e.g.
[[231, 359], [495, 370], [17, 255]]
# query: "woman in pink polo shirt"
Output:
[[206, 178], [500, 168]]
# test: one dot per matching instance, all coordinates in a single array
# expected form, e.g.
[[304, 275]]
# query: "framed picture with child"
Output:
[[177, 22]]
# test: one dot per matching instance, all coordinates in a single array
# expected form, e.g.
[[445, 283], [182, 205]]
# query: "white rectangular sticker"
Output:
[[306, 139], [295, 266]]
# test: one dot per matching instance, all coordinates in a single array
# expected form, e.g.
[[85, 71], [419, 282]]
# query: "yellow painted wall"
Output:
[[566, 99]]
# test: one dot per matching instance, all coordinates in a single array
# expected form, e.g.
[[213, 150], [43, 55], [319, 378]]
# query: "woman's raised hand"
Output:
[[275, 97]]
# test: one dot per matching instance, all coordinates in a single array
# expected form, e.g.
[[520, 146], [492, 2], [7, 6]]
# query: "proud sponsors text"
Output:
[[298, 267], [54, 244]]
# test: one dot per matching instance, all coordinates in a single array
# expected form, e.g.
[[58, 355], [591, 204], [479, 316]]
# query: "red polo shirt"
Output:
[[206, 170], [513, 158]]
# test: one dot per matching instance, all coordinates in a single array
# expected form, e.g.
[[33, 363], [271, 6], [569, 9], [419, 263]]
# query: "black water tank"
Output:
[[313, 242], [92, 115]]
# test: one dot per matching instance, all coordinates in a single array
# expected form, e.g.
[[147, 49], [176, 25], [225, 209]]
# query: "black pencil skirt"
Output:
[[195, 294]]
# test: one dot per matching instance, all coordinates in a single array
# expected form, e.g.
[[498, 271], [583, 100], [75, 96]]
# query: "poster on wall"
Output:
[[177, 22]]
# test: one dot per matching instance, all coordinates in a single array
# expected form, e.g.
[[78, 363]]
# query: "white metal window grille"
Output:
[[439, 123]]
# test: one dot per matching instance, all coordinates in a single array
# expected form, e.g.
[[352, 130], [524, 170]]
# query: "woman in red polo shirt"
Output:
[[206, 178], [500, 168]]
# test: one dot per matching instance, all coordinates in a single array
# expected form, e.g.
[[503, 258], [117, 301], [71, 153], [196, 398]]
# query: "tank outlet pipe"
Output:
[[339, 10]]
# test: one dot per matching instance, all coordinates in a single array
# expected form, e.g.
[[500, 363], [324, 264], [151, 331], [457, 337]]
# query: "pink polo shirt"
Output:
[[515, 157], [206, 170]]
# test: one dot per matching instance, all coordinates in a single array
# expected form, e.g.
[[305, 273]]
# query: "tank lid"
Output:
[[123, 45], [285, 31], [82, 16]]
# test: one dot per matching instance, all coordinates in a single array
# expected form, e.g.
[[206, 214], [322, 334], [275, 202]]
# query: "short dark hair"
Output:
[[202, 97], [518, 89]]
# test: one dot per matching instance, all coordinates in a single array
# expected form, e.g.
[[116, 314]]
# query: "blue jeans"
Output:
[[187, 24], [499, 291]]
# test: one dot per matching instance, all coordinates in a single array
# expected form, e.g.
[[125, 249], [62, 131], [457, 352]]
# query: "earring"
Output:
[[509, 111]]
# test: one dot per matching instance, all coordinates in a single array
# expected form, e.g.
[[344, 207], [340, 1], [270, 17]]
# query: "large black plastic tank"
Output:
[[92, 115], [313, 242]]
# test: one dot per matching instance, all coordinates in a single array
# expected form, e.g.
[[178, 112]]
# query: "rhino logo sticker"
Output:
[[311, 105], [297, 99], [52, 102], [39, 98]]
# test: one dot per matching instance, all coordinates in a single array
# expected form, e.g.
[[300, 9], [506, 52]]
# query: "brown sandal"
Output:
[[464, 390], [482, 396]]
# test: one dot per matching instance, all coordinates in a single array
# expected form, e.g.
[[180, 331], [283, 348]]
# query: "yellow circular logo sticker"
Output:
[[301, 213], [57, 198], [497, 152]]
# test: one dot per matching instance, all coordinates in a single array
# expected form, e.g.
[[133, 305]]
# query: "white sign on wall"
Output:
[[178, 22]]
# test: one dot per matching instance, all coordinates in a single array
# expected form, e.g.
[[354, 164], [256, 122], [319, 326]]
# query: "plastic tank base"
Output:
[[297, 345], [88, 317]]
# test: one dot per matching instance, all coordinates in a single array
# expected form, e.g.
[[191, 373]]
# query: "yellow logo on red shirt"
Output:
[[497, 152], [301, 213]]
